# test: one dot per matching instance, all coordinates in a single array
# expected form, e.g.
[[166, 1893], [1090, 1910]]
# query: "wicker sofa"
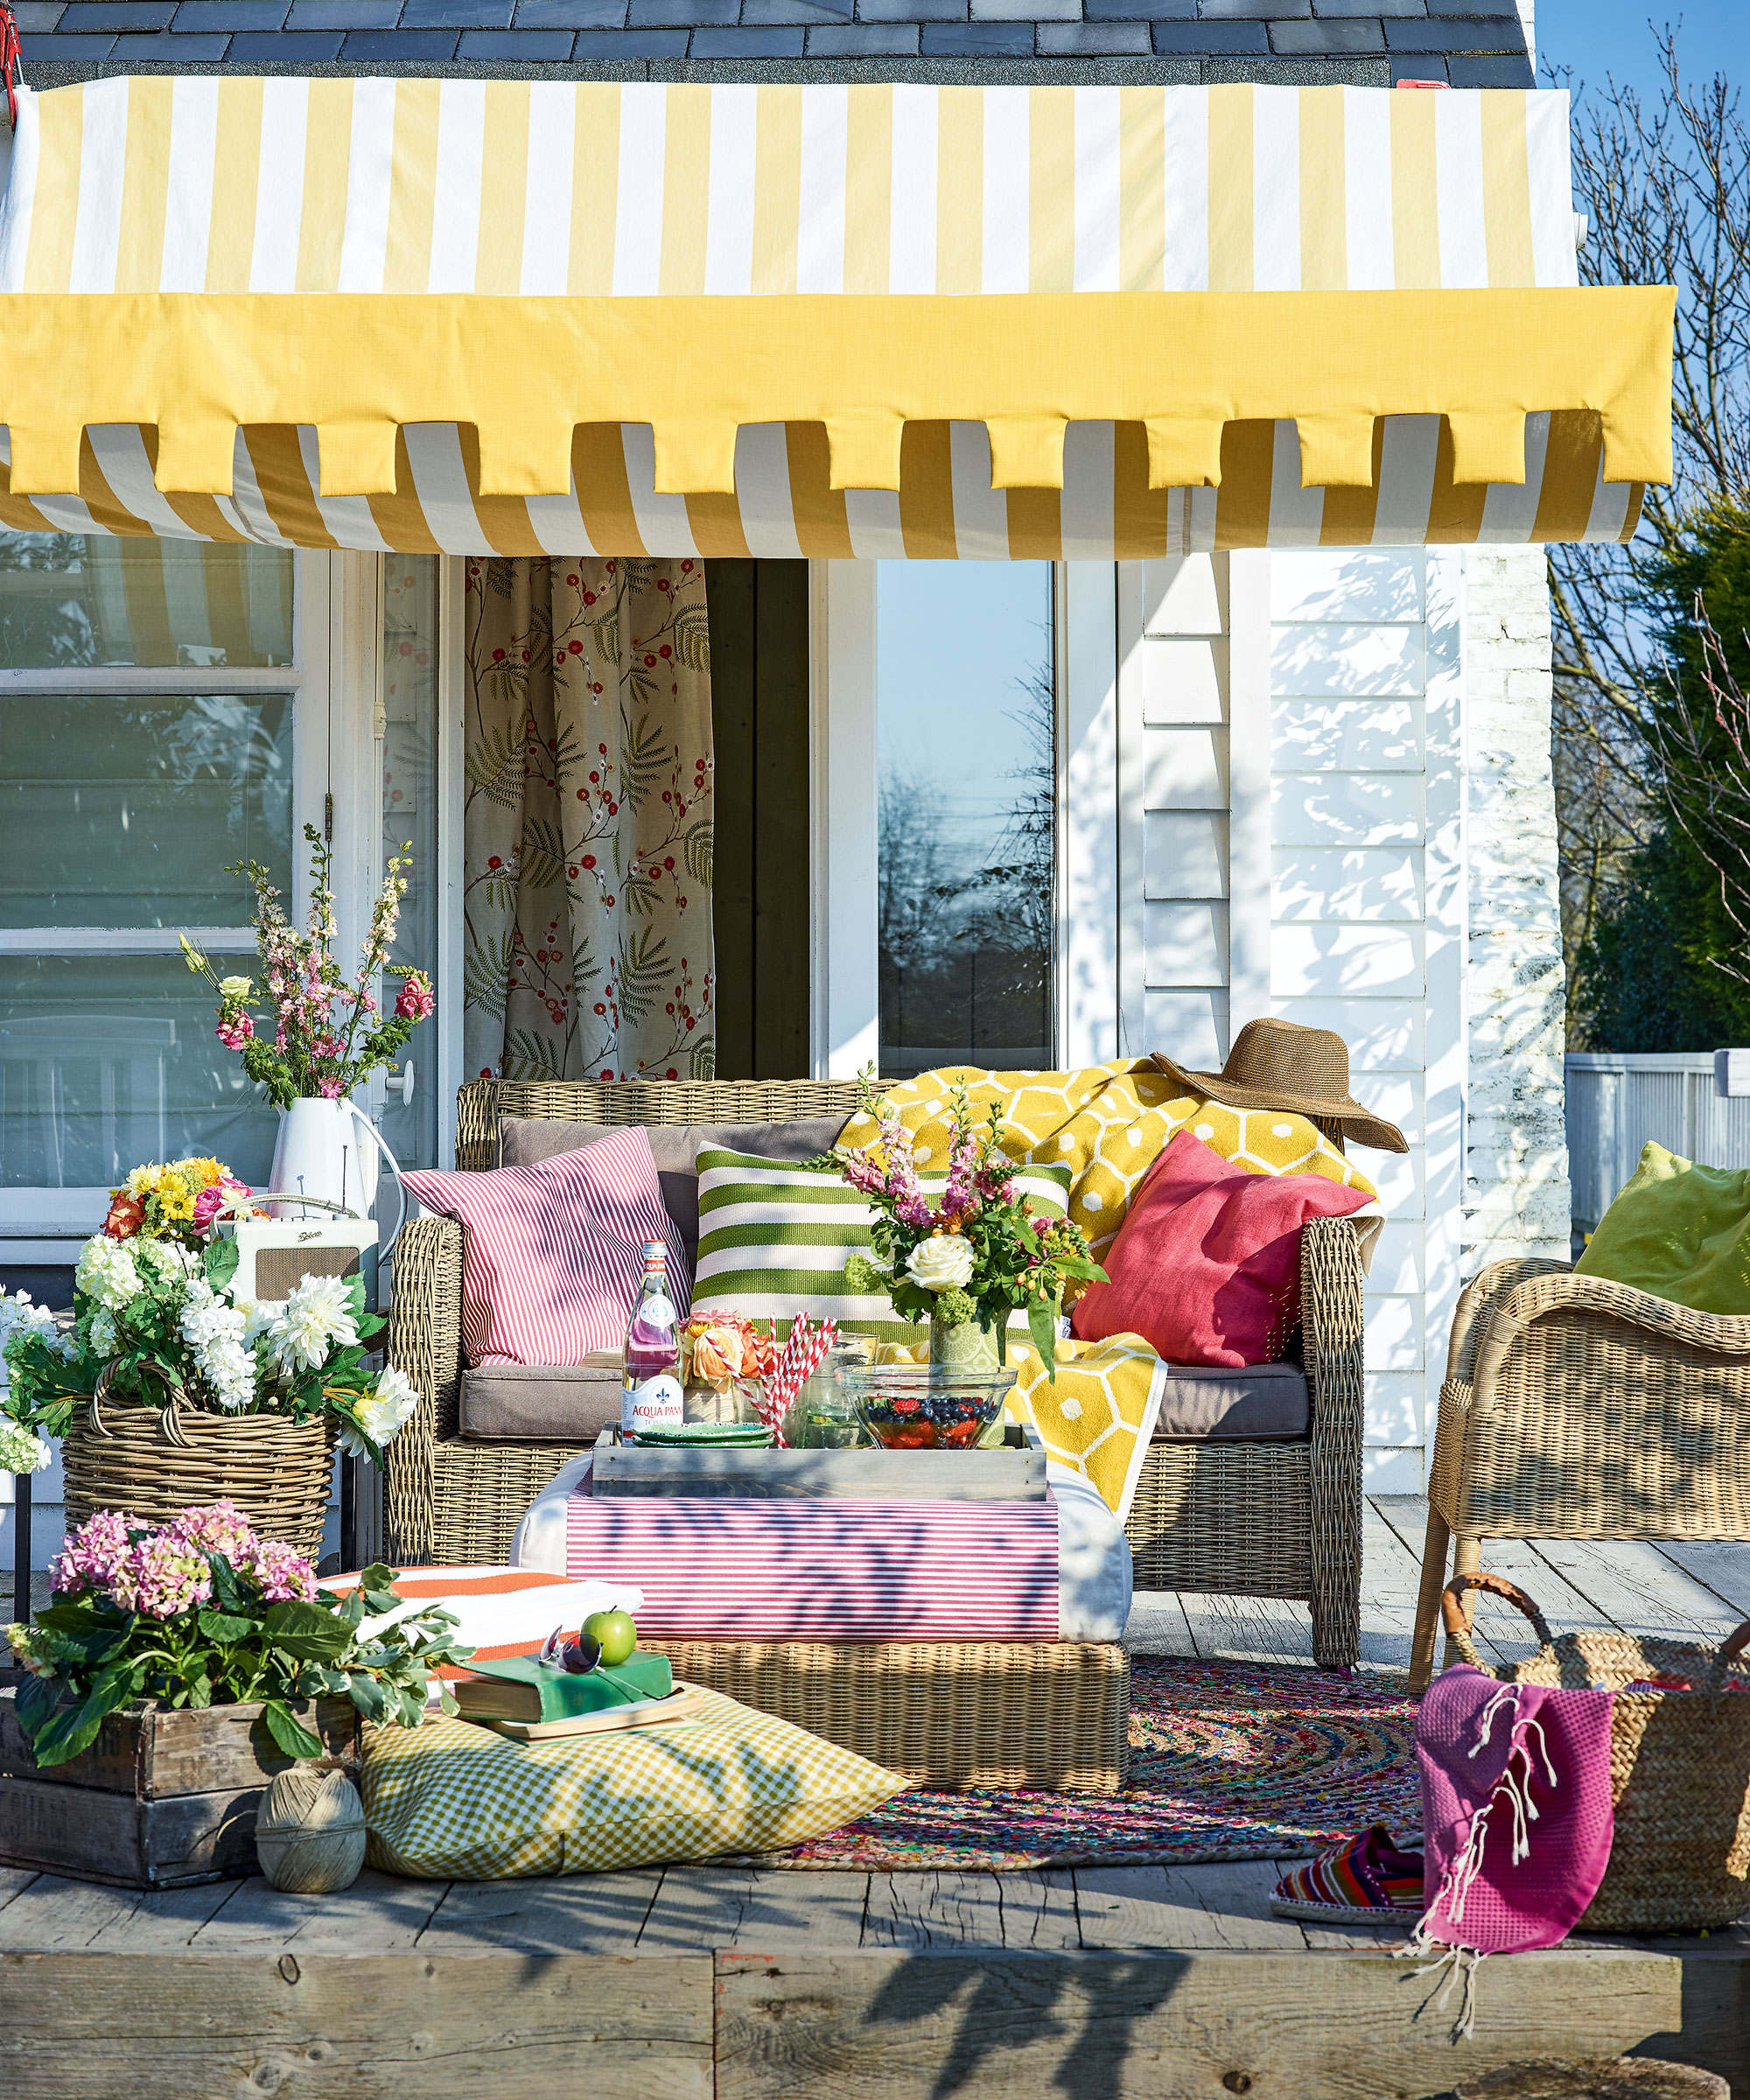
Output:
[[1277, 1518]]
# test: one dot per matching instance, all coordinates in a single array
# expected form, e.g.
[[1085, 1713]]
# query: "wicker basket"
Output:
[[152, 1463], [1679, 1764]]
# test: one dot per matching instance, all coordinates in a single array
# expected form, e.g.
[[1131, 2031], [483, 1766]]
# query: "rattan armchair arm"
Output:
[[1331, 1278], [424, 1342], [1594, 1297]]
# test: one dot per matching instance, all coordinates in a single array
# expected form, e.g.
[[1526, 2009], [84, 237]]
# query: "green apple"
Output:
[[614, 1634]]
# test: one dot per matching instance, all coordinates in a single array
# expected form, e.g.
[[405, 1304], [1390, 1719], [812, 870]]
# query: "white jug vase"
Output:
[[325, 1163]]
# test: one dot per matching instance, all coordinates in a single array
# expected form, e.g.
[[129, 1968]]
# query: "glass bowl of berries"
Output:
[[927, 1406]]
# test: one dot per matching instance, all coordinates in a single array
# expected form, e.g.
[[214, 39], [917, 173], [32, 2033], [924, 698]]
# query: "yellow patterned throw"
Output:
[[454, 1802], [1108, 1124]]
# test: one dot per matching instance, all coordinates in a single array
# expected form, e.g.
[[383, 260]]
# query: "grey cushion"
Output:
[[526, 1140], [541, 1403], [1264, 1400]]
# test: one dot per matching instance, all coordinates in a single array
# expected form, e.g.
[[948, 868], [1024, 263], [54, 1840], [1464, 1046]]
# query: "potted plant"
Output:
[[967, 1260], [322, 1033], [169, 1390], [179, 1666]]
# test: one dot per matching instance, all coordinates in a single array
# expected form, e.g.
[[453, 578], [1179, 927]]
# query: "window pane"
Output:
[[967, 751], [410, 817], [125, 811], [106, 1060], [69, 599]]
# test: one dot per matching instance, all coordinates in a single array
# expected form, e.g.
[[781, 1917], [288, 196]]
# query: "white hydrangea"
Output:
[[381, 1413], [19, 1314], [213, 1328], [168, 1263], [106, 1272], [21, 1450], [318, 1317], [102, 1332]]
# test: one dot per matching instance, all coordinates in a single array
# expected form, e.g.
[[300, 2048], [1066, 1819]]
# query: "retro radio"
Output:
[[275, 1254]]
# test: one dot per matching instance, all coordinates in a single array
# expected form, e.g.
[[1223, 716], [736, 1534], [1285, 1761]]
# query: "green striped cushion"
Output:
[[773, 1240]]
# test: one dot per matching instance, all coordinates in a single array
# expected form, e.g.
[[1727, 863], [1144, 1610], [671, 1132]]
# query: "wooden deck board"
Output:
[[739, 1981]]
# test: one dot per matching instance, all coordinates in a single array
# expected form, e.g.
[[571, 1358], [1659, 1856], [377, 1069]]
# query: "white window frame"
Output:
[[42, 1225]]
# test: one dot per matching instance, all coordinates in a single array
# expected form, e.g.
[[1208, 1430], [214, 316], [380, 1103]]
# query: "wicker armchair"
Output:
[[1276, 1518], [1575, 1408]]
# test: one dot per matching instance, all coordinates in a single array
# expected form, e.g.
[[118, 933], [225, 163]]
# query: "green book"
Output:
[[521, 1689]]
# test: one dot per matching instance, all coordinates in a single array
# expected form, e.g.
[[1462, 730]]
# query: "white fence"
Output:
[[1617, 1103]]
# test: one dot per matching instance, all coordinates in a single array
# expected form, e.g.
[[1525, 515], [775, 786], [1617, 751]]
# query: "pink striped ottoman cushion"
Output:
[[823, 1570], [553, 1255]]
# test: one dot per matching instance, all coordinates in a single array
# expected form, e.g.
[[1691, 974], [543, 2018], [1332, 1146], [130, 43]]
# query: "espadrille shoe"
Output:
[[1366, 1881]]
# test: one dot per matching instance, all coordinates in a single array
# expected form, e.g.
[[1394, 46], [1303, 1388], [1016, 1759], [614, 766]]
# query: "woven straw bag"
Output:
[[151, 1463], [1679, 1763]]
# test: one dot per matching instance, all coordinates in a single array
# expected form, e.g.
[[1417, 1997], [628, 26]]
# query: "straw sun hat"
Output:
[[1281, 1065]]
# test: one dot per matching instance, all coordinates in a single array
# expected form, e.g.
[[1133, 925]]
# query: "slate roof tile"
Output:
[[291, 48], [230, 16], [530, 46], [862, 40], [770, 43], [594, 45], [38, 14], [1215, 38], [682, 14], [455, 14], [762, 14], [1455, 36], [1094, 40], [36, 49], [1317, 40], [1502, 72], [408, 46], [569, 14], [159, 47], [343, 14], [977, 39], [89, 17]]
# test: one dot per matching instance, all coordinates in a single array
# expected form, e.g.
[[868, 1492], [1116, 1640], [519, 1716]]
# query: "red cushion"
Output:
[[1206, 1266]]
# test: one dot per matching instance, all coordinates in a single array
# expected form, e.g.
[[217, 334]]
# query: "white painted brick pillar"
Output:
[[1516, 1185]]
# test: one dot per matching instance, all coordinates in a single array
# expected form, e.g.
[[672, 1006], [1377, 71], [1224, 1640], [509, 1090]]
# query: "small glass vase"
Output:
[[967, 1346]]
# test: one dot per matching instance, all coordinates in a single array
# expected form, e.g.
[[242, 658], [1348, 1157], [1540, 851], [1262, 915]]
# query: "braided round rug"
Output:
[[1228, 1761]]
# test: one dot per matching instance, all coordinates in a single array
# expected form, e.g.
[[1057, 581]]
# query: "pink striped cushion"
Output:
[[553, 1255], [823, 1569]]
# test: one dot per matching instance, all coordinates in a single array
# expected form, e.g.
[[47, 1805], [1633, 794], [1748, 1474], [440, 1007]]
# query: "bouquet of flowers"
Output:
[[200, 1611], [182, 1200], [161, 1317], [328, 1033], [979, 1253]]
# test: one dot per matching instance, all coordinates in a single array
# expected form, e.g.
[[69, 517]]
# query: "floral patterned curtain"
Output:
[[587, 834]]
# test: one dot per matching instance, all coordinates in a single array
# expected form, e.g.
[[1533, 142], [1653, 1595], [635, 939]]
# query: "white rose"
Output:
[[942, 1262], [236, 988]]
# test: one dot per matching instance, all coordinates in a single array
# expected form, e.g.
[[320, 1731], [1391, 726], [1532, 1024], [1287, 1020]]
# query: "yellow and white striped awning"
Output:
[[985, 322]]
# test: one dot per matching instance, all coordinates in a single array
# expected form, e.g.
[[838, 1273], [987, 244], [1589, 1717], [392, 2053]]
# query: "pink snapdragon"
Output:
[[93, 1552], [415, 1000], [329, 1089], [909, 1205]]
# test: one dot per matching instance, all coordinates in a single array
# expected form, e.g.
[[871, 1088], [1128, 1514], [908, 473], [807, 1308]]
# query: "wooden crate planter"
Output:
[[162, 1799]]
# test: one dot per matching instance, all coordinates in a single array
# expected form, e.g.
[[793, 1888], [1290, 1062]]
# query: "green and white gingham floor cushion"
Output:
[[454, 1801], [774, 1239]]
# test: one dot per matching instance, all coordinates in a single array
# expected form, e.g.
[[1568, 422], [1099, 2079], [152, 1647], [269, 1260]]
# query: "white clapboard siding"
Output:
[[1359, 882], [1348, 826], [1175, 796], [1336, 936], [1185, 853]]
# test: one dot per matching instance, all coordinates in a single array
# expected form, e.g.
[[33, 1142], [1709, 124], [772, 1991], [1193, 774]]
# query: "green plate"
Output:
[[736, 1435]]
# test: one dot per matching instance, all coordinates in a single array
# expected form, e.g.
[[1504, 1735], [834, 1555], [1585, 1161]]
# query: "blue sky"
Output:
[[1596, 36]]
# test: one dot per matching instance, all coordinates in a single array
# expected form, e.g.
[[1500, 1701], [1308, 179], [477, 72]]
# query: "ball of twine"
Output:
[[310, 1836]]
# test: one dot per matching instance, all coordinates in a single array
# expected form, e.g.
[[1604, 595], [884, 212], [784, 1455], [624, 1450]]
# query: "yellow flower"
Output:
[[203, 1172], [143, 1180]]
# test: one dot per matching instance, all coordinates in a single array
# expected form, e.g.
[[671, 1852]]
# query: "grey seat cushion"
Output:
[[526, 1140], [1264, 1400], [542, 1403]]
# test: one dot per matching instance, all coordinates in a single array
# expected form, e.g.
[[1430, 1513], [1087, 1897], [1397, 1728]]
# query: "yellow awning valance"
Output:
[[516, 317]]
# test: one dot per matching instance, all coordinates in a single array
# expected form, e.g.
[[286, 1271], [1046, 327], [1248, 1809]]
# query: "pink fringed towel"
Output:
[[1516, 1818], [1517, 1815]]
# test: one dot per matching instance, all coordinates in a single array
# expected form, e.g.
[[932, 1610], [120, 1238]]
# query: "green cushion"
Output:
[[774, 1239], [1679, 1231]]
